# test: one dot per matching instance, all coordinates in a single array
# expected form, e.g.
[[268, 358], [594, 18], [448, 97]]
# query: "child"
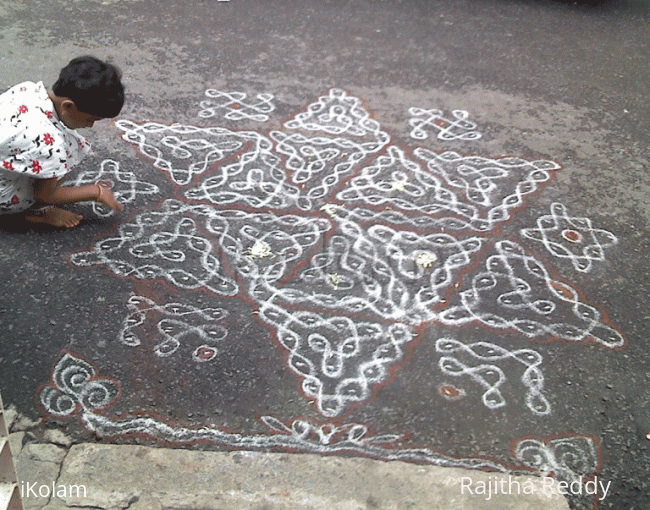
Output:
[[38, 144]]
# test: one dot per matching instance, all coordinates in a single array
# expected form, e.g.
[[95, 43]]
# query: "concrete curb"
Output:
[[119, 477]]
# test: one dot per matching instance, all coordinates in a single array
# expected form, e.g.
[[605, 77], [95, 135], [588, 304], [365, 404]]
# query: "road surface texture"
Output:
[[398, 230]]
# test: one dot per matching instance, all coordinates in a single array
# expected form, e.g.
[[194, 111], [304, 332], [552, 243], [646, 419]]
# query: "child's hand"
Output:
[[107, 198]]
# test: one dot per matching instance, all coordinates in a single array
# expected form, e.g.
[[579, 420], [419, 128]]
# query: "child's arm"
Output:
[[51, 192]]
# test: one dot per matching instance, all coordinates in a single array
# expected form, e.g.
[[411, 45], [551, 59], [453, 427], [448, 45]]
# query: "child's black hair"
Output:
[[94, 86]]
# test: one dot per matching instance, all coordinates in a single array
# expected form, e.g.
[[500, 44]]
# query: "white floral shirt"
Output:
[[34, 144]]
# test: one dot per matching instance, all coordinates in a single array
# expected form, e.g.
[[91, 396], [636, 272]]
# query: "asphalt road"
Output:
[[413, 230]]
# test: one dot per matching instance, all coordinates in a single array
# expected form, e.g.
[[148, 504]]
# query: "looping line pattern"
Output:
[[164, 244], [337, 113], [380, 271], [339, 359], [347, 243], [235, 106], [76, 388], [491, 376], [329, 434], [124, 185], [458, 128], [183, 152], [256, 179], [464, 192], [571, 237], [516, 292], [180, 324]]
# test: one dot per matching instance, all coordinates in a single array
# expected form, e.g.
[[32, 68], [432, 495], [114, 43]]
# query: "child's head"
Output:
[[94, 86]]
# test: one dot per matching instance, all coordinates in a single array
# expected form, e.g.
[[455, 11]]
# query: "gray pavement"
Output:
[[57, 475], [405, 237]]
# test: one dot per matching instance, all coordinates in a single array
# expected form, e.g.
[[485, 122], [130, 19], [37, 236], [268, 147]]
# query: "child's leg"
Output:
[[48, 214], [54, 216], [51, 192], [17, 197]]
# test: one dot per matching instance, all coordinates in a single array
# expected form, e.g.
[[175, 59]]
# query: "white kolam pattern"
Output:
[[571, 460], [183, 152], [77, 389], [124, 184], [514, 291], [570, 237], [347, 244], [479, 360], [177, 324], [236, 106], [456, 128]]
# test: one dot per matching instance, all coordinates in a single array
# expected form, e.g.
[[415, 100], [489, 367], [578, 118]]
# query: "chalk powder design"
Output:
[[347, 245], [179, 324], [125, 185]]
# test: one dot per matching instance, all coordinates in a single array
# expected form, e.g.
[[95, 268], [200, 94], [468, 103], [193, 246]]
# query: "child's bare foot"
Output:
[[56, 217], [107, 198]]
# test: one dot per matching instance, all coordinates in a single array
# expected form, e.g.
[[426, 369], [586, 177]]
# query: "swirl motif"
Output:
[[76, 385], [568, 459]]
